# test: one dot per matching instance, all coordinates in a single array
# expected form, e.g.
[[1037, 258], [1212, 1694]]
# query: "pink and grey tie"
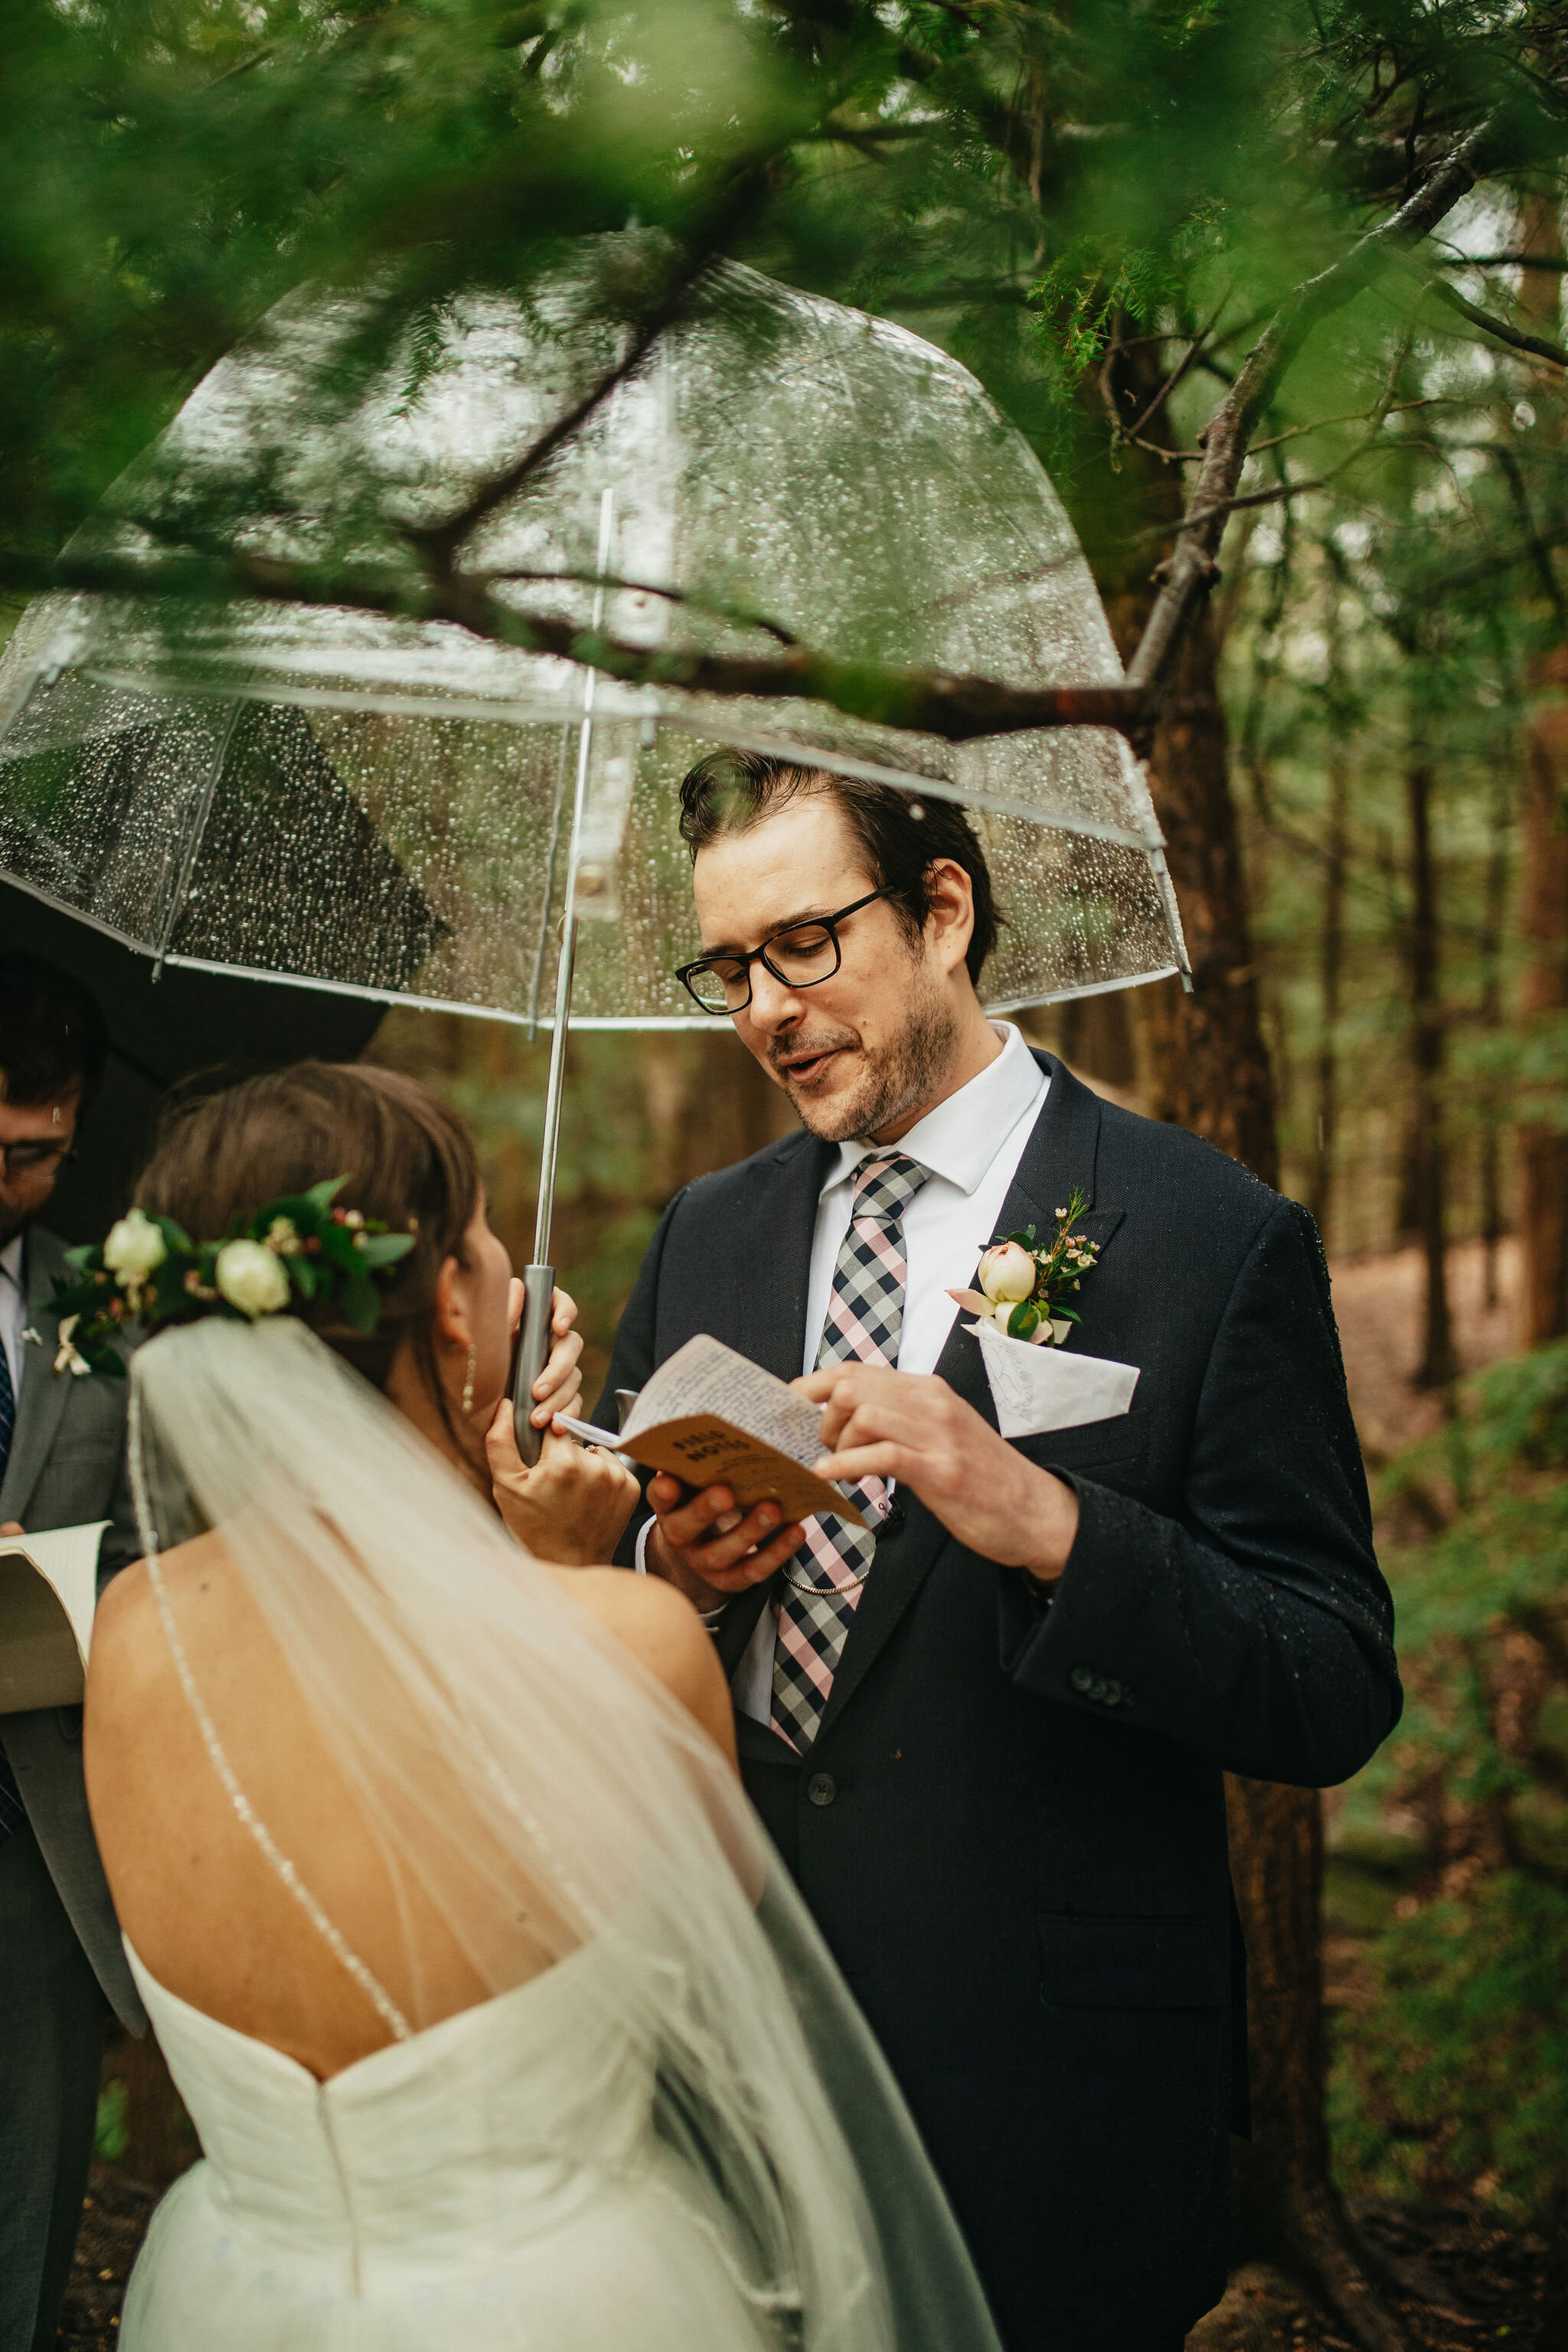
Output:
[[824, 1580]]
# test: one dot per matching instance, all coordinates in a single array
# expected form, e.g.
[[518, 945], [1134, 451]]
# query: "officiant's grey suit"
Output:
[[1011, 1825], [63, 1959]]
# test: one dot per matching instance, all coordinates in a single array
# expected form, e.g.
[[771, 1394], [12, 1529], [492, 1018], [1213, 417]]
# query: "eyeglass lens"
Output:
[[798, 958], [30, 1159]]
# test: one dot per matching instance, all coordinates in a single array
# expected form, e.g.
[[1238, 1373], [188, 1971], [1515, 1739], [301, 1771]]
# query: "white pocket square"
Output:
[[1039, 1388]]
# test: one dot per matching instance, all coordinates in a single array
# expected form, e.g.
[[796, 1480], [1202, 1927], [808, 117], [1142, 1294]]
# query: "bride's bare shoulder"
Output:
[[664, 1630], [129, 1648]]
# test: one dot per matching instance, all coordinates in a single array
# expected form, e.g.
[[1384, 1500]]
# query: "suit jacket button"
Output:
[[1082, 1678], [1096, 1690], [822, 1787], [1112, 1693]]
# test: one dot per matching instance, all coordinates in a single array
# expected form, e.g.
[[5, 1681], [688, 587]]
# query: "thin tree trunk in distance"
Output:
[[1428, 1158], [1493, 917], [1543, 1147], [1331, 981]]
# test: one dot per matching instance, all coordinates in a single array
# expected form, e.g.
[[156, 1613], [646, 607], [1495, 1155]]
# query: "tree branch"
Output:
[[955, 707], [1515, 337], [1191, 570], [439, 542]]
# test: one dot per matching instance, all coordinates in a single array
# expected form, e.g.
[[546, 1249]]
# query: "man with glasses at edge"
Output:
[[62, 1448], [989, 1737]]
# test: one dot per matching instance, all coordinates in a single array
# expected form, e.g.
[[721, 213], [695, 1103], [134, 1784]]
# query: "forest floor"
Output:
[[1459, 2279]]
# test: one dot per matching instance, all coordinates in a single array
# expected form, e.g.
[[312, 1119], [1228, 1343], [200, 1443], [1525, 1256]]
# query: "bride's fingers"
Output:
[[515, 1298], [563, 1312], [501, 1443]]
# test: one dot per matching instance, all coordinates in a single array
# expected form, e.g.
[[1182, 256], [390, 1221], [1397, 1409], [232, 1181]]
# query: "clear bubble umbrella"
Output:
[[394, 807]]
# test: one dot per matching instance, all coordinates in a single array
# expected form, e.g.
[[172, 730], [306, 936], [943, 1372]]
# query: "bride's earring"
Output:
[[468, 1382]]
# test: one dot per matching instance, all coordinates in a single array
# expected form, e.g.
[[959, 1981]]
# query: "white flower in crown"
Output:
[[251, 1277], [134, 1248]]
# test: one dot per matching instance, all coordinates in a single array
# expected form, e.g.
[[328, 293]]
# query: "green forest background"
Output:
[[1361, 764]]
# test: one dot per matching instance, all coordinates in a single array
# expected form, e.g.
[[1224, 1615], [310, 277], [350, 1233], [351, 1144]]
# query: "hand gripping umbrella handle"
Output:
[[532, 1349]]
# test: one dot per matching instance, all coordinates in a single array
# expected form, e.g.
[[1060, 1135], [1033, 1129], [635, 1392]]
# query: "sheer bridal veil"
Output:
[[543, 1793]]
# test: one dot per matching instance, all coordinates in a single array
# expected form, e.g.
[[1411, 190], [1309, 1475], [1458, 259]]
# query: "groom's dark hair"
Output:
[[901, 834]]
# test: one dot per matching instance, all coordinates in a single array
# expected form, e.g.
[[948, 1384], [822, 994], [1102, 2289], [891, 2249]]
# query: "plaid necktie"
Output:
[[12, 1813], [823, 1580]]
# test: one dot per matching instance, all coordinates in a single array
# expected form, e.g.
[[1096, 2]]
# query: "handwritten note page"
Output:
[[711, 1417]]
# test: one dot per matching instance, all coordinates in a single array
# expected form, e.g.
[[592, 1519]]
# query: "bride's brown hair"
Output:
[[408, 1160]]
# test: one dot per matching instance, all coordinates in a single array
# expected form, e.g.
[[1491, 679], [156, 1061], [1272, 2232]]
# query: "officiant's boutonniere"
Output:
[[1025, 1282]]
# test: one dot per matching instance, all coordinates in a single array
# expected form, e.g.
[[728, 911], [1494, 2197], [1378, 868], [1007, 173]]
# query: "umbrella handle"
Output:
[[532, 1349]]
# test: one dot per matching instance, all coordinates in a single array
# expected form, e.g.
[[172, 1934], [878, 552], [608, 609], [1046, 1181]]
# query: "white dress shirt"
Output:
[[13, 1308], [971, 1143]]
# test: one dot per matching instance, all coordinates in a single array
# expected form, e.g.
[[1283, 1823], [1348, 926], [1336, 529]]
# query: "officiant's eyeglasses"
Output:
[[798, 958], [23, 1160]]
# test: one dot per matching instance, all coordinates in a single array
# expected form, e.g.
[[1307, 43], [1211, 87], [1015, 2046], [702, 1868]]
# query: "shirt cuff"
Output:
[[711, 1618]]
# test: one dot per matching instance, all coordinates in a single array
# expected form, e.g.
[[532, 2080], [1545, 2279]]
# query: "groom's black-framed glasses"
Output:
[[799, 956]]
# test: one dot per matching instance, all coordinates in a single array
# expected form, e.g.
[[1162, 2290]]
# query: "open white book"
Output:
[[48, 1590], [712, 1418]]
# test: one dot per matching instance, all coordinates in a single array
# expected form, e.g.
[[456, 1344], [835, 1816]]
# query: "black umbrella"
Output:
[[162, 1029]]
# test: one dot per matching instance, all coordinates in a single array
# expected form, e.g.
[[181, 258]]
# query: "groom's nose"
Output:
[[774, 1006]]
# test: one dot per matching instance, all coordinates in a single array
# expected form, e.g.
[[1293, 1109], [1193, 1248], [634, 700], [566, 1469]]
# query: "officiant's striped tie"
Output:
[[824, 1580]]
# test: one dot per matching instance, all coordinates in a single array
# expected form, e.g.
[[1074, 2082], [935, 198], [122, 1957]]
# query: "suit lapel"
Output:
[[41, 1398], [1060, 1152], [765, 1287]]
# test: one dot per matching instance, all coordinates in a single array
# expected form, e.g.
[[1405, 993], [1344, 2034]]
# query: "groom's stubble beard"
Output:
[[894, 1082]]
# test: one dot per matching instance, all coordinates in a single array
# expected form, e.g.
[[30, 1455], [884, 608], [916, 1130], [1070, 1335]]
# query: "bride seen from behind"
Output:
[[496, 2018]]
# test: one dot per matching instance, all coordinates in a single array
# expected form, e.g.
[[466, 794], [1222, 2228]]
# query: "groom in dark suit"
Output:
[[989, 1739]]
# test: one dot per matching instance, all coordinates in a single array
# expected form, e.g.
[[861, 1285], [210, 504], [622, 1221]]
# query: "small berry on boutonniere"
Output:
[[1025, 1282]]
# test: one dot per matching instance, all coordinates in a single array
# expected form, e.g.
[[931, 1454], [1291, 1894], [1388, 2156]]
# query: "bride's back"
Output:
[[206, 1911], [292, 1874]]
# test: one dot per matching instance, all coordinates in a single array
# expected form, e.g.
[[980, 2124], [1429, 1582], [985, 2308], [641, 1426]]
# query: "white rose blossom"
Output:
[[1007, 1274], [135, 1247], [251, 1277]]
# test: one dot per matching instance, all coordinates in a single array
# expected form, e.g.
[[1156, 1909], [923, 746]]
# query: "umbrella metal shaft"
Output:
[[539, 1278]]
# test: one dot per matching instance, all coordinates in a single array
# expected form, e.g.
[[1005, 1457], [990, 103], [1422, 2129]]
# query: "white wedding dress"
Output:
[[493, 2182], [678, 2135]]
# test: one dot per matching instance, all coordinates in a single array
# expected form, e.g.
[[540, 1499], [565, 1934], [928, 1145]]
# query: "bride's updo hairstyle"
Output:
[[407, 1159]]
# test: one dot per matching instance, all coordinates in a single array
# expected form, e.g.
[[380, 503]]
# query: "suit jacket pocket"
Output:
[[1089, 1962], [1095, 1445]]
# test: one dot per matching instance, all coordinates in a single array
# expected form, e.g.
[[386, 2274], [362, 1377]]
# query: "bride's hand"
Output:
[[560, 1384], [571, 1507]]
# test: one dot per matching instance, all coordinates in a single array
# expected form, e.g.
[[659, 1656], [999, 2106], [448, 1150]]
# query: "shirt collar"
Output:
[[961, 1138]]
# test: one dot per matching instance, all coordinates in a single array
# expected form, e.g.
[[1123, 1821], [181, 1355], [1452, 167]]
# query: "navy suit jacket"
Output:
[[1011, 1827]]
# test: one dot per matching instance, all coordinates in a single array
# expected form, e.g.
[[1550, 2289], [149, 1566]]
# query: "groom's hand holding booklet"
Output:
[[710, 1417]]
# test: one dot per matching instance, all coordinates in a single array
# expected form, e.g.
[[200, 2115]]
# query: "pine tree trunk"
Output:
[[1428, 1154], [1207, 1069], [1543, 1147], [1493, 917], [1330, 983]]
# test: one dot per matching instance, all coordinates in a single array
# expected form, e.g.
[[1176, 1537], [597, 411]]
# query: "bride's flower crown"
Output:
[[148, 1271]]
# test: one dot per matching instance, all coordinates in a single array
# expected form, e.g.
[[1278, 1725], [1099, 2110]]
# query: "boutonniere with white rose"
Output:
[[1025, 1282], [147, 1273]]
